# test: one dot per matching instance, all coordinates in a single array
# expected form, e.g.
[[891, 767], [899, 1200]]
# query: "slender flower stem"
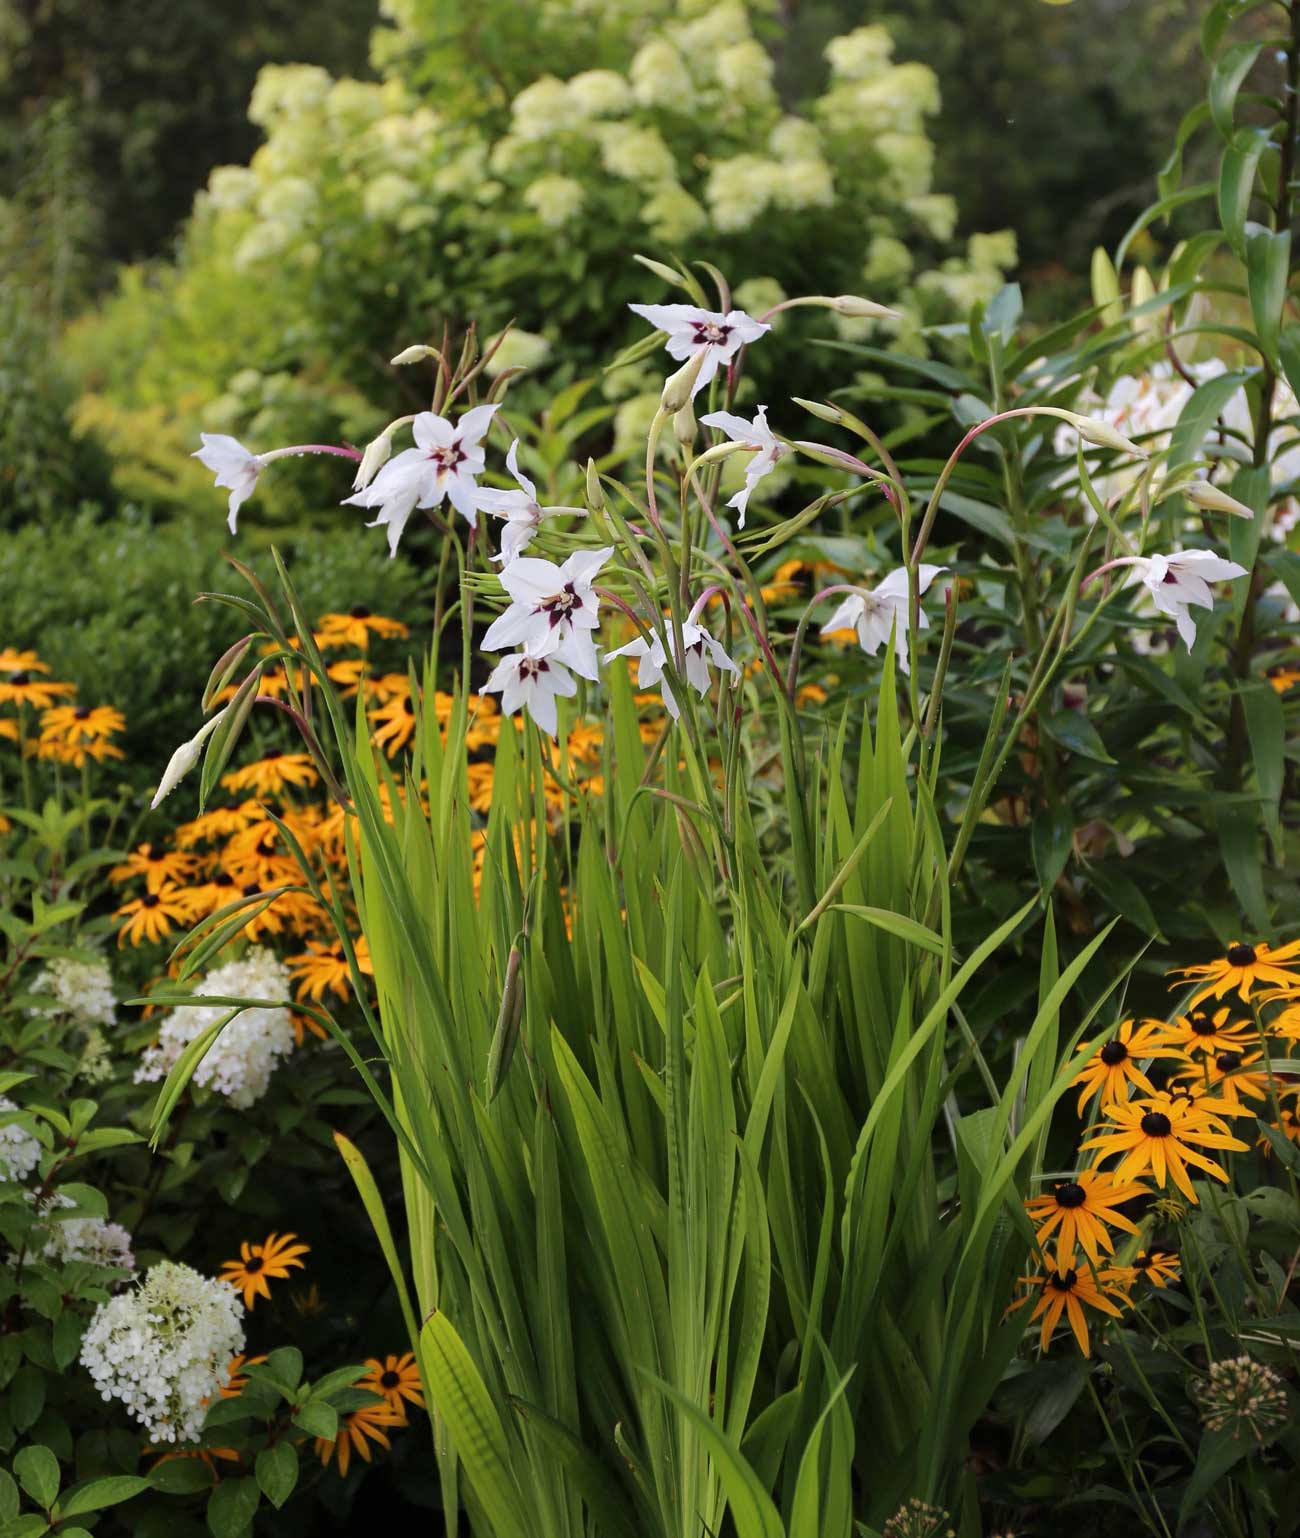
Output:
[[299, 449]]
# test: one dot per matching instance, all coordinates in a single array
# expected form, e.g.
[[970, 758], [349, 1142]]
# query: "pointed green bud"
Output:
[[1204, 495], [678, 387]]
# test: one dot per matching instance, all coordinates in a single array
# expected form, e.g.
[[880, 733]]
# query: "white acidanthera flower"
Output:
[[241, 1059], [874, 612], [1177, 582], [699, 649], [235, 467], [164, 1347], [756, 435], [520, 509], [555, 609], [444, 465], [720, 337], [535, 682]]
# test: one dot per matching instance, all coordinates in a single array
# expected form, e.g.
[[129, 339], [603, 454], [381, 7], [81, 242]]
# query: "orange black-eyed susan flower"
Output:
[[357, 1429], [307, 1300], [82, 723], [261, 863], [1115, 1067], [220, 822], [1068, 1292], [781, 586], [1207, 1032], [1284, 676], [157, 864], [8, 729], [393, 724], [1159, 1267], [60, 751], [356, 627], [1230, 1075], [295, 910], [1242, 968], [259, 1263], [212, 893], [153, 916], [236, 1378], [1286, 1023], [272, 772], [1287, 1124], [14, 661], [303, 1025], [208, 1455], [397, 1378], [1081, 1210], [24, 688], [349, 673], [325, 966], [1157, 1134]]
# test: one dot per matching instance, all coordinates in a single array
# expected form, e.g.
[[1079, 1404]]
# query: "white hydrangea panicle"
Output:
[[93, 1240], [20, 1152], [83, 989], [163, 1348], [241, 1060]]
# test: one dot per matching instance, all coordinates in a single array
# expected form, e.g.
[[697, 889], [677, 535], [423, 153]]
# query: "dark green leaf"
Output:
[[231, 1507], [38, 1473], [277, 1472], [1230, 70], [1237, 182], [96, 1494], [1268, 259], [1052, 836], [1075, 731]]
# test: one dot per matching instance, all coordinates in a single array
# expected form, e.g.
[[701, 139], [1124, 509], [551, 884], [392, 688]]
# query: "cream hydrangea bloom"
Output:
[[659, 76], [671, 214], [556, 200]]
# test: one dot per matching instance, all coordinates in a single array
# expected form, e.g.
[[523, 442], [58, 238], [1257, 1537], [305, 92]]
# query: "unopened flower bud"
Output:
[[1105, 436], [862, 309], [376, 456], [721, 451], [184, 759], [824, 410], [679, 387], [685, 426], [413, 355], [595, 491], [1205, 495], [661, 270]]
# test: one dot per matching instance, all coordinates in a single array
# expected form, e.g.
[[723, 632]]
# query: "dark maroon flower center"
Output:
[[1156, 1124], [266, 848], [150, 899], [709, 333], [1228, 1062], [254, 1265], [1063, 1283], [533, 667], [252, 889], [1141, 1262], [81, 713], [408, 705], [222, 879], [1113, 1052], [447, 458], [389, 1380], [340, 955], [21, 680], [1241, 955], [270, 754], [1202, 1025], [1070, 1194], [359, 611], [560, 607]]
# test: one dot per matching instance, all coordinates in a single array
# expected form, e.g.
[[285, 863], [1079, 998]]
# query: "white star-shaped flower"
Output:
[[521, 509], [768, 450], [443, 465], [689, 331], [534, 682], [874, 612], [700, 649], [554, 610], [1176, 582], [235, 468]]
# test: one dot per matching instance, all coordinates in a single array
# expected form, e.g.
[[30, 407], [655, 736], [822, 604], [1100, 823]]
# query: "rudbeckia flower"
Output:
[[397, 1378], [1156, 1134], [323, 966], [1229, 1076], [1200, 1031], [272, 773], [1284, 676], [1159, 1268], [394, 724], [555, 610], [690, 331], [20, 688], [1288, 1124], [357, 1429], [1067, 1292], [535, 683], [220, 822], [157, 864], [879, 612], [15, 661], [758, 437], [81, 723], [1114, 1068], [236, 1378], [272, 1259], [151, 917], [356, 627], [1080, 1209], [1242, 967]]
